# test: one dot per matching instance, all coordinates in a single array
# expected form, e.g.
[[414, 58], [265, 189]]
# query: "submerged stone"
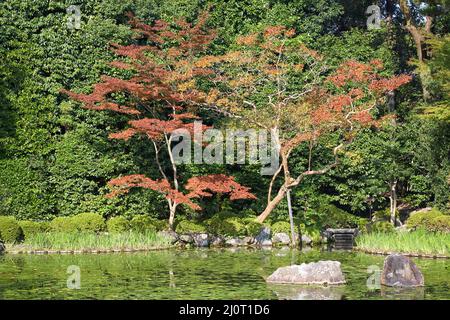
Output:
[[400, 271], [322, 272]]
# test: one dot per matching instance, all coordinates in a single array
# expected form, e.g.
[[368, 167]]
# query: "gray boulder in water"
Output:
[[235, 242], [322, 272], [217, 241], [281, 238], [400, 271], [201, 240], [186, 238]]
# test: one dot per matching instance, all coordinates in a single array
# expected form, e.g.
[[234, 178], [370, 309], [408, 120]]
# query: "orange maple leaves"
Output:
[[359, 88], [164, 74], [203, 186], [156, 129]]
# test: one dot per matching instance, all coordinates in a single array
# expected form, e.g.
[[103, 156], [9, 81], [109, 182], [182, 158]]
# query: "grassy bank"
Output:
[[416, 242], [88, 241]]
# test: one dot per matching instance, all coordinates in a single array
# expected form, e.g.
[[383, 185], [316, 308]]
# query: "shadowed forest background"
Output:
[[56, 158]]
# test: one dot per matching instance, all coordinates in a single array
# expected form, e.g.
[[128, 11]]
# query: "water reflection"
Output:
[[416, 293], [305, 292], [202, 274]]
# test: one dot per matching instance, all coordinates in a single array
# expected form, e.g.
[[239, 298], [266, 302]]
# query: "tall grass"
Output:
[[92, 241], [419, 242]]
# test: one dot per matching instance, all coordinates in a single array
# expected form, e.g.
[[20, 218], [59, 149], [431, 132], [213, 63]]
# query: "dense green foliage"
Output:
[[440, 224], [281, 226], [63, 224], [9, 229], [118, 224], [186, 226], [56, 158], [142, 223], [432, 221], [91, 222], [381, 227], [30, 228]]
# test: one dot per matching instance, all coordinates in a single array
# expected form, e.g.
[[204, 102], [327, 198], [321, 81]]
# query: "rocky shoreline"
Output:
[[186, 240], [201, 240]]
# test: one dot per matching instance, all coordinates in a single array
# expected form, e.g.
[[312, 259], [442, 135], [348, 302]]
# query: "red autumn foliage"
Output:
[[274, 83], [203, 186], [162, 85], [359, 88]]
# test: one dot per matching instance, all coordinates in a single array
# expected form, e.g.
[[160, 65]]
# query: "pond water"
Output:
[[202, 274]]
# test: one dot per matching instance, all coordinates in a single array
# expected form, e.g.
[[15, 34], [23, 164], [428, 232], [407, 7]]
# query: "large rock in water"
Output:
[[281, 238], [201, 240], [217, 241], [322, 272], [400, 271], [235, 242], [186, 238]]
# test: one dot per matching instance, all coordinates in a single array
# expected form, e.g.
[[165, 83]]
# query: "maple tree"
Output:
[[162, 98], [272, 81]]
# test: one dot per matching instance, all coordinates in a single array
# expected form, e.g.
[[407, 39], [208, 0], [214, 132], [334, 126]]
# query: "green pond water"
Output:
[[203, 274]]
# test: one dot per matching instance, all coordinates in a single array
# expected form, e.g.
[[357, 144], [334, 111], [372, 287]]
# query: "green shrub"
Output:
[[252, 227], [90, 222], [423, 219], [382, 227], [384, 215], [63, 224], [32, 227], [160, 225], [142, 223], [186, 226], [10, 230], [229, 225], [117, 224], [248, 213], [281, 226], [45, 226], [363, 225], [335, 217], [314, 234], [439, 224]]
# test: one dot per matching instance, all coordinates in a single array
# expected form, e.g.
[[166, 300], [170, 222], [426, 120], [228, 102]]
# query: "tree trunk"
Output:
[[291, 218], [419, 35], [393, 201], [272, 204], [172, 210]]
